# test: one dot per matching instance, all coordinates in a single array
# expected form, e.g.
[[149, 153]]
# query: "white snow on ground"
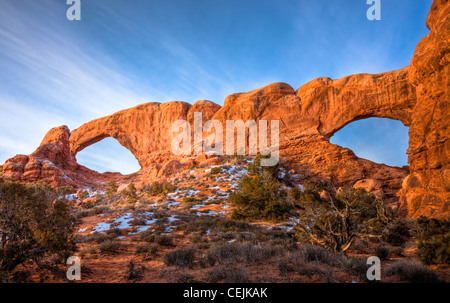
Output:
[[192, 192], [172, 218], [173, 203], [140, 229], [211, 212], [123, 221], [101, 227], [71, 197], [82, 230]]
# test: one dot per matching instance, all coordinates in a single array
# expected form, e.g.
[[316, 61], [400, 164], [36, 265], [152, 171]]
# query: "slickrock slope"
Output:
[[416, 95]]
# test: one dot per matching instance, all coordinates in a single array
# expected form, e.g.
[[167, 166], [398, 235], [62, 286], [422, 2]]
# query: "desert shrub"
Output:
[[147, 248], [164, 240], [361, 246], [35, 225], [433, 239], [111, 189], [84, 195], [95, 237], [225, 253], [411, 271], [426, 228], [294, 194], [312, 186], [228, 253], [436, 250], [85, 213], [260, 198], [353, 214], [319, 254], [202, 224], [354, 266], [134, 272], [157, 188], [115, 232], [396, 233], [227, 275], [256, 254], [64, 191], [130, 193], [382, 251], [215, 170], [298, 262], [110, 246], [198, 239], [177, 276], [138, 221], [90, 250], [147, 236], [190, 200], [184, 257], [255, 168], [316, 269]]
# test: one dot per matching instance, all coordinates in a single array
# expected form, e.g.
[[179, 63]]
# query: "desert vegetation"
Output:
[[233, 222]]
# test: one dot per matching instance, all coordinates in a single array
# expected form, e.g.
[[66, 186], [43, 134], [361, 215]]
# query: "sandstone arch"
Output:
[[417, 95], [144, 130]]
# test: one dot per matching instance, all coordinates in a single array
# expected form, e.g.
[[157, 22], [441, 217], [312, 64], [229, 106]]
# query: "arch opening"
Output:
[[380, 140], [108, 155]]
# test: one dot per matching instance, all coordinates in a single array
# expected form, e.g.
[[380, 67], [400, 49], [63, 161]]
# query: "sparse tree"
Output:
[[353, 214], [35, 226], [111, 189]]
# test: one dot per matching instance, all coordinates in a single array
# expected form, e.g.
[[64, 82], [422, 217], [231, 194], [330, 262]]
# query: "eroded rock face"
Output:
[[416, 95], [426, 190]]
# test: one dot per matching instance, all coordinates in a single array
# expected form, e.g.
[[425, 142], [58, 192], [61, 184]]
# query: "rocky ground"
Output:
[[186, 234]]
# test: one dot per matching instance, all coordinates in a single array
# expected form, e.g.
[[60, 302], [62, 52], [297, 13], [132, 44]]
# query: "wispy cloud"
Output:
[[121, 54], [49, 80]]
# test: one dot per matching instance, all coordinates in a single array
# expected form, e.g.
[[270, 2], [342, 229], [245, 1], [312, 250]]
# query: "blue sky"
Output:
[[123, 53]]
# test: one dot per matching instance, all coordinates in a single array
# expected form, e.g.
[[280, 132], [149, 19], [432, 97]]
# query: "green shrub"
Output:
[[260, 198], [436, 250], [35, 225], [255, 168], [216, 170], [84, 195], [130, 193], [64, 190], [433, 238], [190, 200], [111, 189], [157, 188]]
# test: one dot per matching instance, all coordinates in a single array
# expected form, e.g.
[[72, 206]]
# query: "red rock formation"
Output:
[[416, 95], [426, 190]]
